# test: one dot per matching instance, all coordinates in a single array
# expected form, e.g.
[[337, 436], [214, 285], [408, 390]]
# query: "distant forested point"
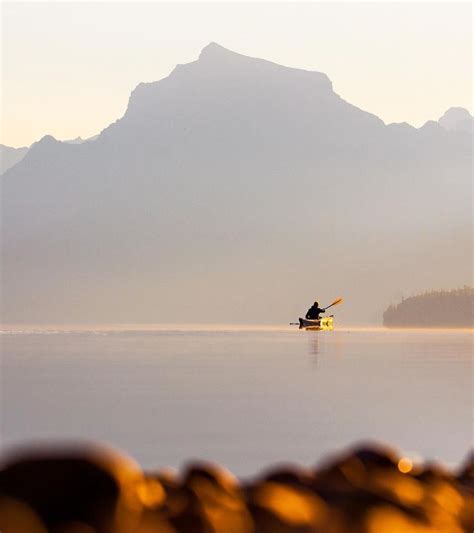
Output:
[[450, 309]]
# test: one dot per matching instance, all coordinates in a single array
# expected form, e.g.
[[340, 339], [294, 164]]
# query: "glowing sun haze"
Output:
[[68, 68]]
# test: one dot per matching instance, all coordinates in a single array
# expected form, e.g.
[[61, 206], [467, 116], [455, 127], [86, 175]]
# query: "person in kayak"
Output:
[[314, 311]]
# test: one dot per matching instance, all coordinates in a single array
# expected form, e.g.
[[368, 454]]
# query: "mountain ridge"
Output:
[[219, 184], [215, 52], [10, 156]]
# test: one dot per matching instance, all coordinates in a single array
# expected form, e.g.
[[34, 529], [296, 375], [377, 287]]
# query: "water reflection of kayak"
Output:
[[325, 323]]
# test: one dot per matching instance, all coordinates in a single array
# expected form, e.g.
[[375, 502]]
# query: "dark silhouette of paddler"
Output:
[[314, 311]]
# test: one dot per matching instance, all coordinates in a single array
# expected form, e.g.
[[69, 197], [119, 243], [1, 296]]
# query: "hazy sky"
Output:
[[68, 68]]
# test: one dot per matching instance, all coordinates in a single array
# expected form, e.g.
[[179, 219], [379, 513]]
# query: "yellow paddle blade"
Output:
[[336, 302]]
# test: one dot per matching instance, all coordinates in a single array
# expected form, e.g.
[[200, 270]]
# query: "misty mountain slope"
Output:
[[457, 119], [234, 190], [10, 156]]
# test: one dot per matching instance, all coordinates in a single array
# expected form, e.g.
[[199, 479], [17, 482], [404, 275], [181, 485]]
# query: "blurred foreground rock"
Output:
[[366, 490]]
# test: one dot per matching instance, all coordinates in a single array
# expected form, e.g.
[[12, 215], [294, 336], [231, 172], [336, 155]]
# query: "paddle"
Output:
[[336, 302]]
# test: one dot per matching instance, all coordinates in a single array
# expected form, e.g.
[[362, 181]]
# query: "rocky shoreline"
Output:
[[368, 489]]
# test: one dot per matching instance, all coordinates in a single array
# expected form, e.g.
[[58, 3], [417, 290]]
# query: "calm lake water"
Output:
[[244, 397]]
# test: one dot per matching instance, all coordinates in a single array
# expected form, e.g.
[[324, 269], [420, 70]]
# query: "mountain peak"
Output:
[[214, 50], [46, 145], [457, 118], [223, 72], [47, 140]]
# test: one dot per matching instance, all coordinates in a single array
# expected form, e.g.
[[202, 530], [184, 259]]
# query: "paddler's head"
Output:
[[316, 304]]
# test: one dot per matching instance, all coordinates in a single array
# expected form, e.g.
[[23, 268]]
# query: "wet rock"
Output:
[[369, 489], [290, 475], [222, 501], [73, 490], [281, 508]]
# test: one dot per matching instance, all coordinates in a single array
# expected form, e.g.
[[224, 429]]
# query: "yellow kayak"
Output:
[[325, 323]]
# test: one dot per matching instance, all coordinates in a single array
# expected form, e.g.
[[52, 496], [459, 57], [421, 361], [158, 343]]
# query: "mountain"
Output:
[[10, 156], [448, 309], [80, 140], [235, 190], [457, 119]]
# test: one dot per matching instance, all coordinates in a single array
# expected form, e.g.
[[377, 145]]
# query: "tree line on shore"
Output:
[[436, 308]]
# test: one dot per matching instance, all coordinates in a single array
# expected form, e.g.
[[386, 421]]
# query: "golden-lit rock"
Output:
[[152, 521], [285, 507], [68, 488], [398, 488], [16, 516], [290, 475], [370, 489], [466, 475], [354, 468], [222, 502], [465, 484], [392, 520]]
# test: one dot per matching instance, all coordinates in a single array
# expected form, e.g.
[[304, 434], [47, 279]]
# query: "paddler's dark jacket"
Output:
[[314, 312]]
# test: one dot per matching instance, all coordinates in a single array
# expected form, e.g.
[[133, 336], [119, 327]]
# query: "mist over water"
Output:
[[246, 397]]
